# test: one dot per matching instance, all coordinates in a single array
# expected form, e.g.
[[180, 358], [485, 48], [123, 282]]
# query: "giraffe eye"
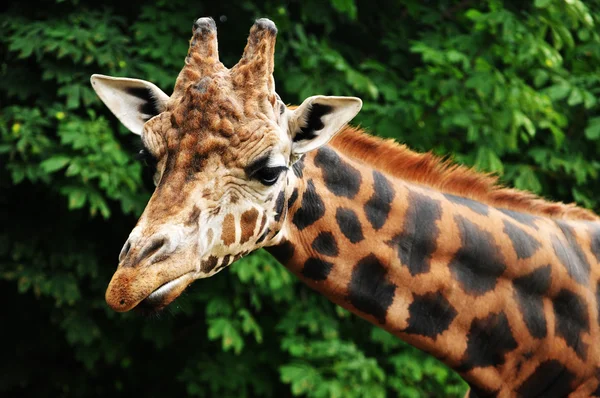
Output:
[[269, 175]]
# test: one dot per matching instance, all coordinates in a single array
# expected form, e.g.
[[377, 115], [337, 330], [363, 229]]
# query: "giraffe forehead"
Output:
[[211, 115], [247, 144], [226, 95], [208, 104]]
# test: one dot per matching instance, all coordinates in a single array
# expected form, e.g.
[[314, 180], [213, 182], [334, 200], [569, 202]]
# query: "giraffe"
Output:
[[501, 285]]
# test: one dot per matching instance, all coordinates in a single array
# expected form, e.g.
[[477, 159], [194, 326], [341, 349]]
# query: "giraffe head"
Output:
[[223, 145]]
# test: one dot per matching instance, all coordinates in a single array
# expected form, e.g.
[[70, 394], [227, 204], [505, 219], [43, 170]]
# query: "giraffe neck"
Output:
[[492, 293]]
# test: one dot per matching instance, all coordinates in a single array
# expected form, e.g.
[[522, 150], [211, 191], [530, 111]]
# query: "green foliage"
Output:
[[508, 87]]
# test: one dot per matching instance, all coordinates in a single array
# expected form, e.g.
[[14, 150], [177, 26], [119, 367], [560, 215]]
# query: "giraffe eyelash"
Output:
[[260, 170], [268, 175]]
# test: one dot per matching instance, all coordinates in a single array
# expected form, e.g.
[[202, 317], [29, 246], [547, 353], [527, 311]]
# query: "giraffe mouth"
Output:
[[165, 294]]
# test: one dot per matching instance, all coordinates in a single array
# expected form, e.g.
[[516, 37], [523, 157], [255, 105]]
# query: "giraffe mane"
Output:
[[427, 169]]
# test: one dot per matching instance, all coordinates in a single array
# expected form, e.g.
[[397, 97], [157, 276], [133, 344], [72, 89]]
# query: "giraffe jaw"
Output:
[[165, 294]]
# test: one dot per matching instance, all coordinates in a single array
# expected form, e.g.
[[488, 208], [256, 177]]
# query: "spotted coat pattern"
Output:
[[508, 299]]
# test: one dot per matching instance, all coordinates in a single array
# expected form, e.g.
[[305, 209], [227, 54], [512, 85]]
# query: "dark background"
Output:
[[510, 87]]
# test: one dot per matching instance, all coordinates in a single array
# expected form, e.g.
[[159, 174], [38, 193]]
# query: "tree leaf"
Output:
[[592, 131], [54, 163]]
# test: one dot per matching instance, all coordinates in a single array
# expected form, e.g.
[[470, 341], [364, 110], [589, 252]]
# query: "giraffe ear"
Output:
[[132, 101], [318, 119]]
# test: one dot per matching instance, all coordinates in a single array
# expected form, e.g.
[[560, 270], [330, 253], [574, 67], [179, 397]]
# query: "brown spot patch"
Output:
[[248, 222], [228, 234], [194, 217], [209, 264]]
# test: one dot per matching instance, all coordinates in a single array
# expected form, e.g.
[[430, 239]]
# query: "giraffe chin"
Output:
[[164, 295]]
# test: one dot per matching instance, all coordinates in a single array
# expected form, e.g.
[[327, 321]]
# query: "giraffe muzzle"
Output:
[[134, 288], [153, 271]]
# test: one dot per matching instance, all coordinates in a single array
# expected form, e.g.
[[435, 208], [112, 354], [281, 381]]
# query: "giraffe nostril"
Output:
[[151, 248], [125, 250]]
